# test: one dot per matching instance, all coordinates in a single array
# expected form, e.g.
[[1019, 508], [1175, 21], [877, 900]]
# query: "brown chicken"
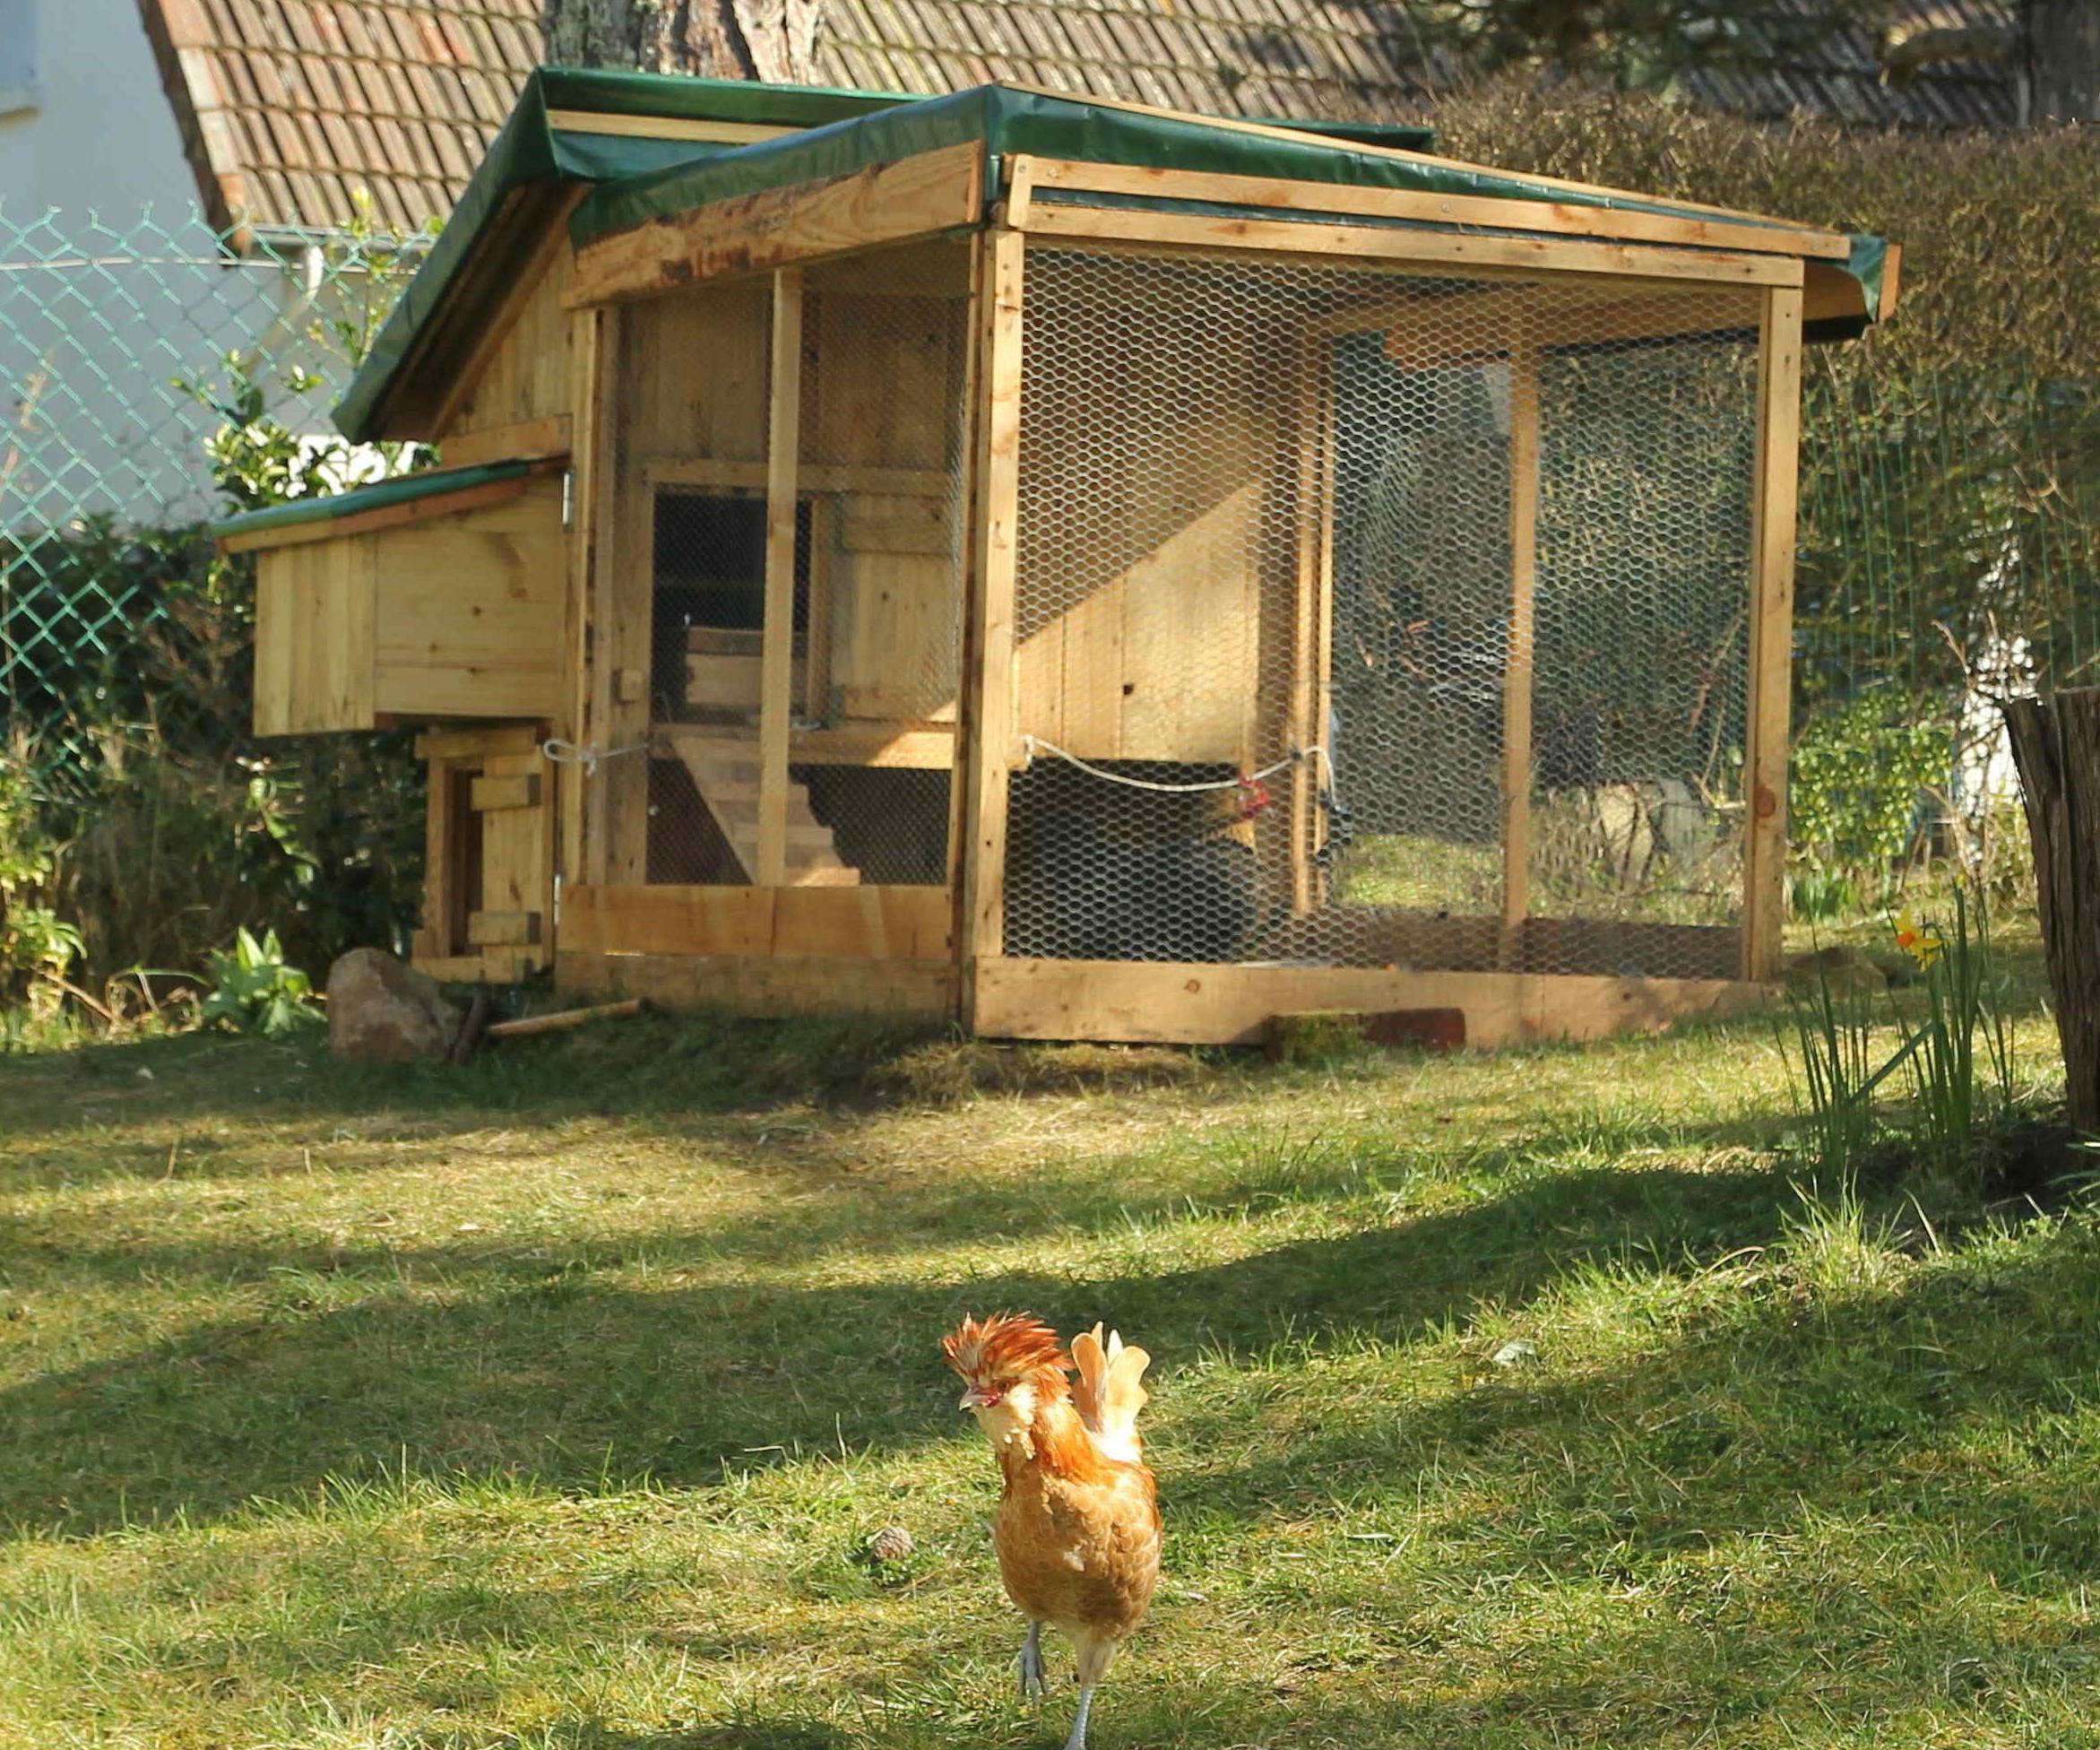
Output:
[[1078, 1528]]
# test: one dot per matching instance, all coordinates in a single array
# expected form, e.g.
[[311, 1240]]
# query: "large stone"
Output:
[[380, 1011]]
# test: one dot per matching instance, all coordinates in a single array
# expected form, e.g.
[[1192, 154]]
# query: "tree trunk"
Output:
[[774, 40], [2063, 59], [2056, 746]]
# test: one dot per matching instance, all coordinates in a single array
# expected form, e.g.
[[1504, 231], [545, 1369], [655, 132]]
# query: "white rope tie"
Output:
[[567, 753], [1297, 756]]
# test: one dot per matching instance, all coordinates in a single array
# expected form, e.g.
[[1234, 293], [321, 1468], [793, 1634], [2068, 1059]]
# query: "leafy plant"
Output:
[[1964, 991], [1860, 774], [255, 991], [1833, 1031]]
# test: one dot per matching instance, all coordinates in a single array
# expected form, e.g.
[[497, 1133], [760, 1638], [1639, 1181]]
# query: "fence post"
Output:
[[2056, 746]]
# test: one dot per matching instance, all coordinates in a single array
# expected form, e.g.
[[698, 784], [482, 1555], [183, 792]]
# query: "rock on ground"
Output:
[[381, 1011]]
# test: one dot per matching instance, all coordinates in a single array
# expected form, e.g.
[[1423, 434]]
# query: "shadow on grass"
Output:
[[543, 1369]]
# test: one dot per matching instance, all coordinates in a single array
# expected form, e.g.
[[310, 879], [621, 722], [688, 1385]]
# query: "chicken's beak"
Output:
[[976, 1398]]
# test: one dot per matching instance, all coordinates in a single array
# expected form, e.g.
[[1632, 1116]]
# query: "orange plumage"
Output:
[[1078, 1526]]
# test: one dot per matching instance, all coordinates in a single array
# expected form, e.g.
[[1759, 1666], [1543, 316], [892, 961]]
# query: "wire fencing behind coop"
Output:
[[127, 354], [878, 493], [1367, 617]]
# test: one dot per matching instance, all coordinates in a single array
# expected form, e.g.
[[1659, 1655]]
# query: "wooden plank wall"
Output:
[[884, 390], [314, 636], [469, 613], [525, 373]]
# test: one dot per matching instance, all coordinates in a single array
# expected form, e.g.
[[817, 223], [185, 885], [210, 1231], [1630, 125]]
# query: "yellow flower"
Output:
[[1920, 939]]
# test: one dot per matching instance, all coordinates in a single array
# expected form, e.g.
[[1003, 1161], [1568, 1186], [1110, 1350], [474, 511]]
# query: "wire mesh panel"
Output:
[[1647, 465], [1357, 609], [878, 529]]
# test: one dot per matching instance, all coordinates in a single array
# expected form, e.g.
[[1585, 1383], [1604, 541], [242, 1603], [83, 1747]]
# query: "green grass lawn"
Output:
[[552, 1402]]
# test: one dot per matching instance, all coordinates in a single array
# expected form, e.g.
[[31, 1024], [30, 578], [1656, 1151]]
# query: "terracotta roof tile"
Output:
[[288, 106]]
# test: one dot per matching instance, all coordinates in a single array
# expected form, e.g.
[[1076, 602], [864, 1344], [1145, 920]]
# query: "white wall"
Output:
[[111, 285], [102, 135]]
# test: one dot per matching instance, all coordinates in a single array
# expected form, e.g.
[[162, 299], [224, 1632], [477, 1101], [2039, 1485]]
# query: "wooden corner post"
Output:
[[1771, 634], [989, 700], [1517, 659], [777, 652], [582, 708]]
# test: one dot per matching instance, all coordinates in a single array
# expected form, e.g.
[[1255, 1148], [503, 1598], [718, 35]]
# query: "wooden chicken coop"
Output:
[[1084, 570]]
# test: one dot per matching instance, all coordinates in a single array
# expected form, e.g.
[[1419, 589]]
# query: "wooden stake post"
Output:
[[987, 752], [783, 444], [1771, 637], [1517, 671]]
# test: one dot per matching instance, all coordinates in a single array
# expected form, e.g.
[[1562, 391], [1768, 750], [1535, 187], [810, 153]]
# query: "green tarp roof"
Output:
[[401, 489], [638, 180], [530, 150]]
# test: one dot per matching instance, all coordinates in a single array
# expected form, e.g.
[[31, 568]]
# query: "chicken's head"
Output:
[[1010, 1363]]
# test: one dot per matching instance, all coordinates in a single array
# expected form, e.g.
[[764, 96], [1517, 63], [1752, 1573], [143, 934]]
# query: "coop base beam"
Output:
[[1473, 252], [1156, 1003], [845, 922], [761, 987], [885, 204]]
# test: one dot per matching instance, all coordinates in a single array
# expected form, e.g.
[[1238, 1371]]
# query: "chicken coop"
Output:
[[1086, 571]]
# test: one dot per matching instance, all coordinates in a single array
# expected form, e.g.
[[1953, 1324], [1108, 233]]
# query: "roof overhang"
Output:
[[647, 212]]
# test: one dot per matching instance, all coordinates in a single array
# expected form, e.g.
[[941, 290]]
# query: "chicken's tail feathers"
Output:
[[1110, 1390]]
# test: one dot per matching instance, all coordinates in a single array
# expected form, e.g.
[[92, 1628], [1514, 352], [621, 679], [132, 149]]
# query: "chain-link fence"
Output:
[[129, 354]]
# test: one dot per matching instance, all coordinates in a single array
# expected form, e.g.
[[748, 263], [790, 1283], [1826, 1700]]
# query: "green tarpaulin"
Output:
[[842, 131], [402, 489]]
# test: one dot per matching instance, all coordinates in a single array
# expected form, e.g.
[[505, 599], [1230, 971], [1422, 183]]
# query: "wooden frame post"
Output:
[[1771, 635], [985, 755], [776, 662], [586, 428], [1517, 659], [1311, 618]]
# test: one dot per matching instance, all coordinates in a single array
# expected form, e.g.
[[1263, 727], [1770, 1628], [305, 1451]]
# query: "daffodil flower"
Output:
[[1920, 940]]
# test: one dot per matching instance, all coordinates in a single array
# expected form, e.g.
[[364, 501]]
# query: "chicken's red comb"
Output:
[[1254, 797]]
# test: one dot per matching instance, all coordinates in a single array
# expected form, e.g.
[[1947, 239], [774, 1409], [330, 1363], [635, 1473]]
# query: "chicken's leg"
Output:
[[1031, 1664], [1097, 1652]]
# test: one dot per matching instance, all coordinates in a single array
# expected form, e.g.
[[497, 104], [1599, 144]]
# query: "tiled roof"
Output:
[[1851, 76], [288, 106]]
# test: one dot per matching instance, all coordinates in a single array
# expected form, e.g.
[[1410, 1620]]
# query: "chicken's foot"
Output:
[[1031, 1663]]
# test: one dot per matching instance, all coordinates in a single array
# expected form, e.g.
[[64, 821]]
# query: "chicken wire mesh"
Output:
[[1367, 617], [878, 536], [128, 351]]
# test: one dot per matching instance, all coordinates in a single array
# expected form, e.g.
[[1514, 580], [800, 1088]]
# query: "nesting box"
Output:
[[1082, 570]]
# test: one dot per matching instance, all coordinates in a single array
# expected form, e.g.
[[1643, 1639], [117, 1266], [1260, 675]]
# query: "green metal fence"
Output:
[[124, 350]]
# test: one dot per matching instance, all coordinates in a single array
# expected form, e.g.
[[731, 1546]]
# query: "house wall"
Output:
[[114, 285]]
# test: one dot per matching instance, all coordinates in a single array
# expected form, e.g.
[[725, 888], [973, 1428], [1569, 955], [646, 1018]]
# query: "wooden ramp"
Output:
[[725, 769]]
